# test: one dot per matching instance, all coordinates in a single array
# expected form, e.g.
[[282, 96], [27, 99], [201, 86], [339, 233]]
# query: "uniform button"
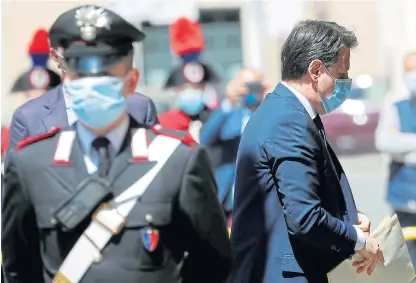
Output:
[[149, 218], [98, 257], [53, 221]]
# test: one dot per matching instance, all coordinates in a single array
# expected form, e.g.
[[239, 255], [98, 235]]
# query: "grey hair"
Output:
[[314, 40]]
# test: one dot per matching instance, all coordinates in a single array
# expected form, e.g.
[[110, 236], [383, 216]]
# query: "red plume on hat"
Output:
[[186, 38], [39, 48]]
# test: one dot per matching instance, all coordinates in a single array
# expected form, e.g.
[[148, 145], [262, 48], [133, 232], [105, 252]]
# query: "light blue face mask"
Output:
[[191, 101], [341, 92], [97, 101]]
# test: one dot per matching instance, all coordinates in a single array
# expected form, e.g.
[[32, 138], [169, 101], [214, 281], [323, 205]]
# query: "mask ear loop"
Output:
[[60, 62], [320, 95]]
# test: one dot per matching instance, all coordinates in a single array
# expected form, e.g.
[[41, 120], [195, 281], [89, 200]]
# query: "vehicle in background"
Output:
[[350, 129]]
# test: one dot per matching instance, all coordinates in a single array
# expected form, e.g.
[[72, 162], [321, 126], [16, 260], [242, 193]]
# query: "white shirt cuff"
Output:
[[360, 239]]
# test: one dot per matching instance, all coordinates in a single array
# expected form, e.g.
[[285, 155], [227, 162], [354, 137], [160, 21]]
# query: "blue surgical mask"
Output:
[[191, 101], [341, 91], [97, 101], [410, 78]]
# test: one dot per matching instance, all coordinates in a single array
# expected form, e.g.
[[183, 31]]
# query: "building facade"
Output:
[[238, 33]]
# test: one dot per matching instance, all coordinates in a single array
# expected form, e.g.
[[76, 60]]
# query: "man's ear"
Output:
[[131, 81], [314, 70]]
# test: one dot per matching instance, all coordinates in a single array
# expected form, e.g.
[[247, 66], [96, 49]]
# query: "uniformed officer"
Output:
[[39, 78], [108, 200], [189, 79]]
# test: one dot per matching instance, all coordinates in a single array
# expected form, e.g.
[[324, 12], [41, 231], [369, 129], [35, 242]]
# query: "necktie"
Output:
[[318, 122], [320, 126], [102, 146]]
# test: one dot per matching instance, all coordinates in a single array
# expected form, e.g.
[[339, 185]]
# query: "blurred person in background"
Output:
[[396, 136], [4, 144], [54, 108], [110, 199], [224, 127], [39, 78], [188, 80], [294, 216]]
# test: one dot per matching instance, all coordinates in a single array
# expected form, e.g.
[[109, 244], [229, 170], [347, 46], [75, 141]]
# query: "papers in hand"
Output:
[[397, 266]]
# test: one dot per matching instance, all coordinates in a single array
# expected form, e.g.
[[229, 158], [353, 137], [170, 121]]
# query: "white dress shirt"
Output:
[[91, 156], [70, 114], [312, 112]]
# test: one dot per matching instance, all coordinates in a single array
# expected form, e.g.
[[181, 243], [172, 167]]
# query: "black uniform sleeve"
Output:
[[20, 239], [18, 132], [209, 249], [151, 118]]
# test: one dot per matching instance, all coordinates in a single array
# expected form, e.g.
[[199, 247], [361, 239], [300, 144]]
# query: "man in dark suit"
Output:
[[109, 199], [294, 217], [52, 109]]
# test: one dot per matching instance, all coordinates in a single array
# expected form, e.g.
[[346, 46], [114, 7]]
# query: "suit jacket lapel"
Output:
[[55, 109]]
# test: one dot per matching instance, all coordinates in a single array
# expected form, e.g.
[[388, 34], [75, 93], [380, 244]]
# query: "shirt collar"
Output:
[[116, 136], [67, 98], [305, 102]]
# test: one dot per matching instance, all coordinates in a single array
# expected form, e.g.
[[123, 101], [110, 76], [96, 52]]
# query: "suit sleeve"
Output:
[[294, 150], [19, 240], [211, 131], [151, 118], [18, 132], [209, 250]]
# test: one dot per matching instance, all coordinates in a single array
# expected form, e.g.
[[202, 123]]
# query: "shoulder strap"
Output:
[[184, 137], [29, 140]]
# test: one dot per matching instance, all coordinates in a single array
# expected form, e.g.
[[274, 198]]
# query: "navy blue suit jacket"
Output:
[[293, 206], [48, 110]]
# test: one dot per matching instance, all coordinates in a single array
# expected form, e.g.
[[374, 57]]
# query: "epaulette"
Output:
[[184, 137], [29, 140]]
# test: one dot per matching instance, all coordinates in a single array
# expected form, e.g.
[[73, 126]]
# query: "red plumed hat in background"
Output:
[[39, 48], [39, 43], [186, 37]]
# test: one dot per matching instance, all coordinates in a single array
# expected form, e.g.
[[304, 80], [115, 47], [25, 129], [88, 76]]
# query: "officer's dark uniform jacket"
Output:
[[182, 200]]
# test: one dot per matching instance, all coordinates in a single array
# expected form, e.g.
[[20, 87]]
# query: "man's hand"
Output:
[[235, 91], [367, 258], [363, 223]]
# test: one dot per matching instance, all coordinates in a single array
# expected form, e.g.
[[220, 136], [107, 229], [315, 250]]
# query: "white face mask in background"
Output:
[[410, 79]]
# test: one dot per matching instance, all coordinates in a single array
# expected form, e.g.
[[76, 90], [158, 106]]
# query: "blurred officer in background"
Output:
[[39, 78], [224, 127], [188, 80], [54, 108], [4, 144], [396, 136], [108, 199]]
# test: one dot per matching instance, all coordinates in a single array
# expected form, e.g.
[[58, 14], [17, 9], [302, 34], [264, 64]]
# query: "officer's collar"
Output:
[[115, 136]]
